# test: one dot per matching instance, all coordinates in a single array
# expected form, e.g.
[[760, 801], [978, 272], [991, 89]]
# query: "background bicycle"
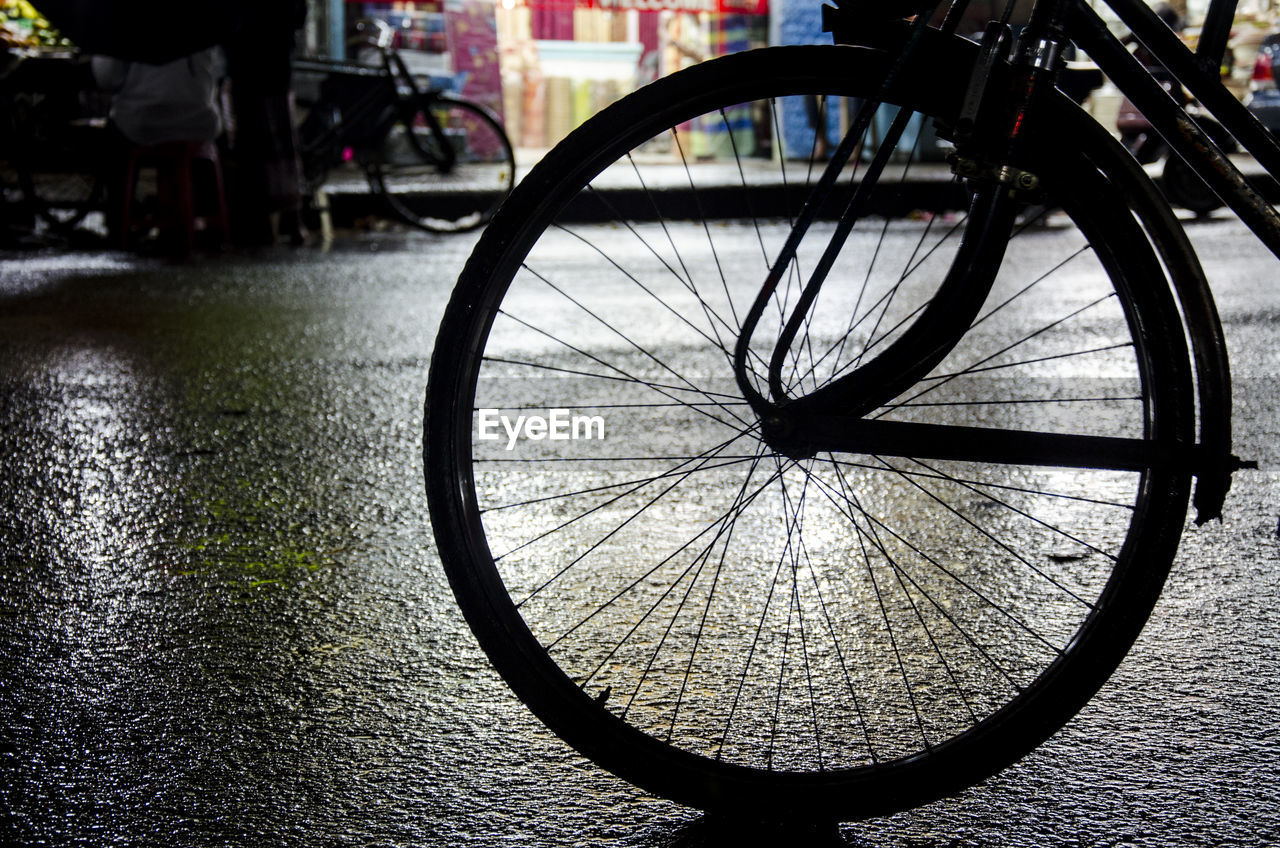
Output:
[[443, 163], [53, 132]]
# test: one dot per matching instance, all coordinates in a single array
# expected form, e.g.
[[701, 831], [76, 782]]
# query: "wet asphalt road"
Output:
[[222, 619]]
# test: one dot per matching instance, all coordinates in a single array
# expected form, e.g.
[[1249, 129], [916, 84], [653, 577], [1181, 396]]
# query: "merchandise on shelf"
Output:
[[22, 25], [564, 60], [453, 42]]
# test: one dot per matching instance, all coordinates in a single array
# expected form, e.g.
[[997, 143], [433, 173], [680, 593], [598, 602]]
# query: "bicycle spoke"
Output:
[[684, 475], [844, 668], [1012, 402], [702, 622], [950, 508], [899, 575], [628, 484], [983, 484], [1012, 508], [971, 370], [699, 560], [1014, 344], [797, 554], [858, 316], [715, 255], [630, 586], [843, 503], [592, 357], [982, 444], [715, 320], [750, 655]]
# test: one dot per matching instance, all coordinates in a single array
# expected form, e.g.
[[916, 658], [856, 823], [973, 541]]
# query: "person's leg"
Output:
[[247, 190], [284, 170]]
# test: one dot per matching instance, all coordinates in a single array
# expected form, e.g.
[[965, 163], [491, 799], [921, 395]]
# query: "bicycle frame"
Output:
[[400, 76], [392, 93], [1054, 24], [1198, 73], [369, 109], [1076, 22]]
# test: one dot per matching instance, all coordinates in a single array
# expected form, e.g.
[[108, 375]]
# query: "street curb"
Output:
[[931, 189]]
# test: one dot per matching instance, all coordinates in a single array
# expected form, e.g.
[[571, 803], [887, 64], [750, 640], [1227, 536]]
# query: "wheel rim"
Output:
[[446, 191], [577, 530]]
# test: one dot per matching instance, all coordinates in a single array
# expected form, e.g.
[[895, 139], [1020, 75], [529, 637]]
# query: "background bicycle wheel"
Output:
[[448, 170]]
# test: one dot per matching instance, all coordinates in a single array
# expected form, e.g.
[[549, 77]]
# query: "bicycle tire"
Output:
[[445, 191], [59, 174], [64, 199], [1184, 187], [539, 554]]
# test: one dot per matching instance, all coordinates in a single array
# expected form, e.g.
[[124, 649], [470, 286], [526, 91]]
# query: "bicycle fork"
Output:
[[989, 134]]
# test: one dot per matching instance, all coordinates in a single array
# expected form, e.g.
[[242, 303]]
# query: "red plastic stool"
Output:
[[175, 163]]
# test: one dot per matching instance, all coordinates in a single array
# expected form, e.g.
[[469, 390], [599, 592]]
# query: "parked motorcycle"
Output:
[[1178, 180]]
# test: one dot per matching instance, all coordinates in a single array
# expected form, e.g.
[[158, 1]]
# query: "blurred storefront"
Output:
[[564, 60], [453, 42], [545, 65]]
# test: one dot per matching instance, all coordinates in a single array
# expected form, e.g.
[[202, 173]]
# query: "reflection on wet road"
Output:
[[222, 618]]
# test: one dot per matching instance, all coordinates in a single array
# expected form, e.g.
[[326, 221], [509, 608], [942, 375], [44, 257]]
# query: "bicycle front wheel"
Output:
[[448, 169], [743, 628]]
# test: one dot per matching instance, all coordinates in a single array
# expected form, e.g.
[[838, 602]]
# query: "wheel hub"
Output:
[[780, 432]]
